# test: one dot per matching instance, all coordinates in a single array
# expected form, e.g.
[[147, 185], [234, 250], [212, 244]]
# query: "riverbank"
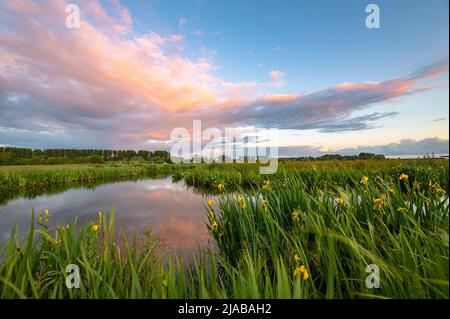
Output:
[[13, 178]]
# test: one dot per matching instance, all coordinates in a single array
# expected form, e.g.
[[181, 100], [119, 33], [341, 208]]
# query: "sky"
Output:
[[135, 70]]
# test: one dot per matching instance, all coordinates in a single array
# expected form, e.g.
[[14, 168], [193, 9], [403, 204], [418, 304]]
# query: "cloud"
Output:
[[176, 38], [431, 70], [300, 151], [104, 84], [198, 33], [278, 48], [277, 78], [364, 122], [431, 145], [318, 109], [276, 75], [409, 147], [182, 22]]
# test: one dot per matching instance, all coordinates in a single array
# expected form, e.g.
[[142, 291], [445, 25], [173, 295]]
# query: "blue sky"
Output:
[[258, 48], [318, 43]]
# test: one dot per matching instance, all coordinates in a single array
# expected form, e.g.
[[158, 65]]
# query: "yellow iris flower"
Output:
[[301, 271], [364, 180], [296, 216]]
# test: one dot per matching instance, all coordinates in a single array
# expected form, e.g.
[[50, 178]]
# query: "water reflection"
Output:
[[32, 192], [174, 213]]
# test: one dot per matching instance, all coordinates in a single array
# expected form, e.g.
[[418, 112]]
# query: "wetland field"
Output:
[[139, 230]]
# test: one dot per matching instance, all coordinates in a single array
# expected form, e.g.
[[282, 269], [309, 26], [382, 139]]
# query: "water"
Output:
[[416, 156], [172, 212]]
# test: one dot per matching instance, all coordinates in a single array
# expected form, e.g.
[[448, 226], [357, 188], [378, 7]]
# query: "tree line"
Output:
[[28, 156], [330, 157]]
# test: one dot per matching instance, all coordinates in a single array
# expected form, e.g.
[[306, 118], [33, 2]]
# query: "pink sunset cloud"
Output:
[[277, 78], [276, 75]]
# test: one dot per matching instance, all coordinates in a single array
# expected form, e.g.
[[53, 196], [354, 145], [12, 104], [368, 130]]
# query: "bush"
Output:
[[95, 159]]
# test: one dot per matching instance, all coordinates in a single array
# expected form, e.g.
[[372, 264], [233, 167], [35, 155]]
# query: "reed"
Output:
[[17, 178]]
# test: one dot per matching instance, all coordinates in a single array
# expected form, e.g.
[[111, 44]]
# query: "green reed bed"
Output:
[[131, 269], [341, 173], [16, 178], [325, 237]]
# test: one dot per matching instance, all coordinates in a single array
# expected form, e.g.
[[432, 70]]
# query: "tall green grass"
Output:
[[123, 268], [109, 267], [17, 178], [336, 232], [333, 173]]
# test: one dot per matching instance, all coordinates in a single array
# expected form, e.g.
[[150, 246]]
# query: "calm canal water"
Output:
[[172, 212]]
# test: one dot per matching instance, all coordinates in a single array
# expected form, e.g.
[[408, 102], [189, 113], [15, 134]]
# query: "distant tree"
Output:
[[95, 159]]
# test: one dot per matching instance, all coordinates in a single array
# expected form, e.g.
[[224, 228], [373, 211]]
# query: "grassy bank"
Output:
[[16, 178], [332, 173]]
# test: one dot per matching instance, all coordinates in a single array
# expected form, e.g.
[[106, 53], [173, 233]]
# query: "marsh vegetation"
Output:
[[308, 231]]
